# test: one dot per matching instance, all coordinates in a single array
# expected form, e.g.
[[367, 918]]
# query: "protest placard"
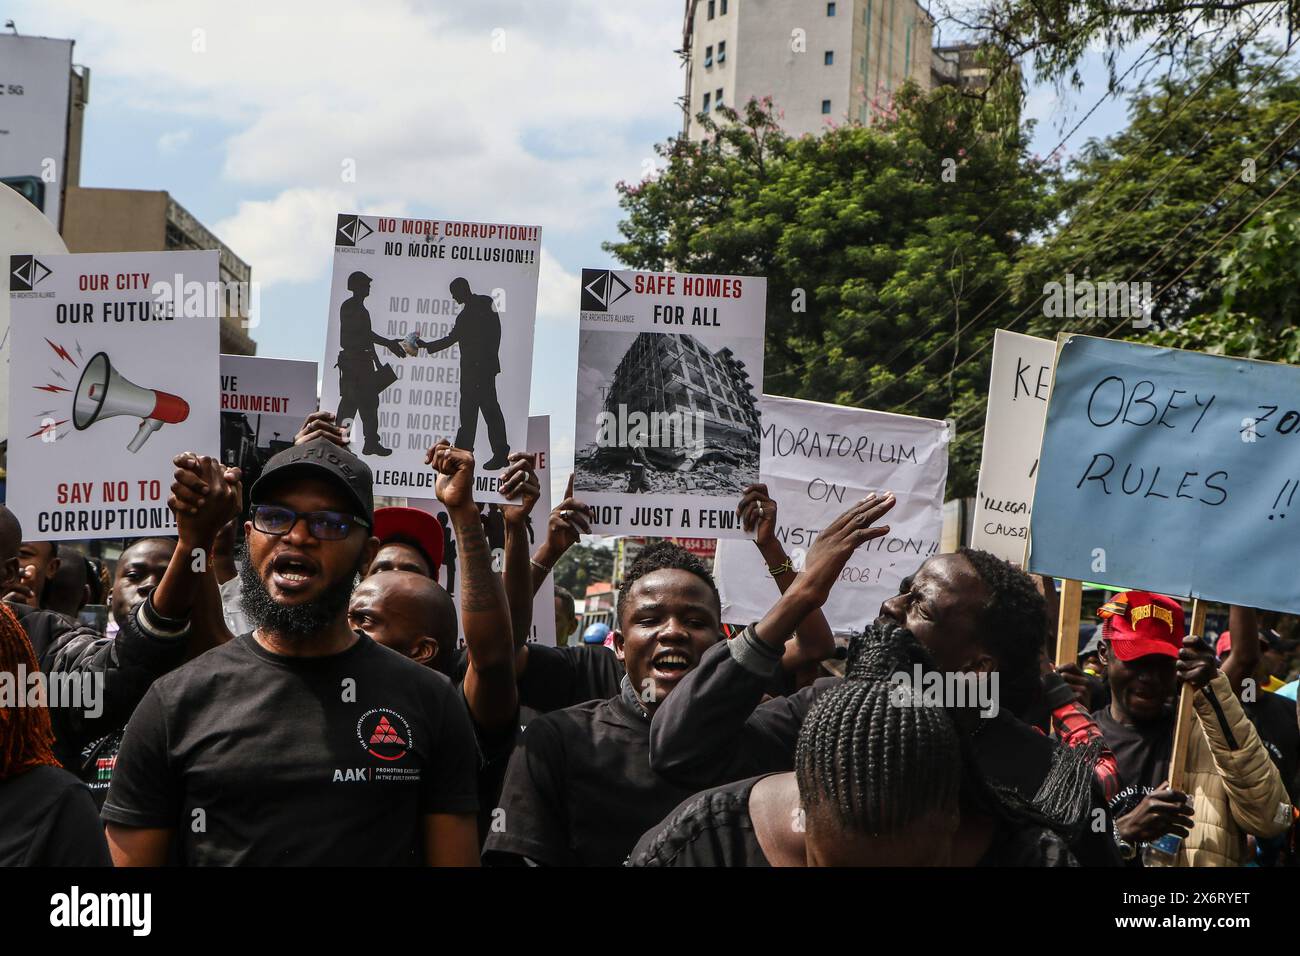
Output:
[[543, 627], [670, 367], [430, 336], [1013, 429], [113, 372], [817, 461], [26, 233], [263, 404], [1172, 471]]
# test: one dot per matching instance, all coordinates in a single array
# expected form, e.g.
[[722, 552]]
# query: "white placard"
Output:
[[431, 336], [113, 374], [670, 368], [1013, 431], [263, 404], [818, 460]]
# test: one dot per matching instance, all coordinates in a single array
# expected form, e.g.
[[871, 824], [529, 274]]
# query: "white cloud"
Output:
[[538, 132], [173, 141], [287, 238]]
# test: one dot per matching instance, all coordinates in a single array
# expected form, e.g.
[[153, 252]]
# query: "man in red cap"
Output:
[[1235, 788], [409, 540]]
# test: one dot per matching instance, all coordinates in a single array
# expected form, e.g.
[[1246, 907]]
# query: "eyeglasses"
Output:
[[323, 525]]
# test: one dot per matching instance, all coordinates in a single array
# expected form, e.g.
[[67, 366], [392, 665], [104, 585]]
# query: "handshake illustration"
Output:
[[412, 343]]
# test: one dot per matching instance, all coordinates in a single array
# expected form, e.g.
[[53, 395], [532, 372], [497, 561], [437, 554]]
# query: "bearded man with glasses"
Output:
[[302, 742]]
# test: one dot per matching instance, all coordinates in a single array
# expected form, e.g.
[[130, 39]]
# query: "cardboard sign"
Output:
[[114, 372], [1013, 429], [1172, 471], [431, 336], [817, 461], [543, 629], [263, 404], [670, 367]]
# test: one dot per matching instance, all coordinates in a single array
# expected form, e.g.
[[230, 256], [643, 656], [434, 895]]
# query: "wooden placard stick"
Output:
[[1183, 726], [1067, 622]]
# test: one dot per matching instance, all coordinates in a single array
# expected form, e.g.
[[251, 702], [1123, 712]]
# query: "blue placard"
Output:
[[1171, 471]]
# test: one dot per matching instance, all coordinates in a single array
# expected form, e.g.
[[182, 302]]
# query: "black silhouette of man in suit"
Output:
[[477, 331], [357, 362]]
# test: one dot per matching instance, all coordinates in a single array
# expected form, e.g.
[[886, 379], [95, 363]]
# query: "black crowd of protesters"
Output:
[[302, 698]]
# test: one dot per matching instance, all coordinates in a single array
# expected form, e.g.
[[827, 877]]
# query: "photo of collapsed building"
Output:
[[676, 418]]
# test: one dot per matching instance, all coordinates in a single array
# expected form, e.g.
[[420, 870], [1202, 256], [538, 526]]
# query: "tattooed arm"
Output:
[[489, 686], [519, 483]]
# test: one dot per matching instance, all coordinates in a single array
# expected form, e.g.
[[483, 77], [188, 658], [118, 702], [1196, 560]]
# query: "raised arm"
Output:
[[205, 495], [568, 521], [712, 726], [520, 484], [489, 686], [1243, 661], [813, 640]]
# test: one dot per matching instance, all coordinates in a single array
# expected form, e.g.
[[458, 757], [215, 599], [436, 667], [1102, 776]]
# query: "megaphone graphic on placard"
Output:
[[103, 393]]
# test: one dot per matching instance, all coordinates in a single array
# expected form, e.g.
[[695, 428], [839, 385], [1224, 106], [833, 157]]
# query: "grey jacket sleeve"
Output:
[[712, 729]]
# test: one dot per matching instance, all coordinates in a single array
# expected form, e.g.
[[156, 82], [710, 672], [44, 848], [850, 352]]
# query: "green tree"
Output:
[[1258, 315], [1156, 202], [887, 247], [582, 565]]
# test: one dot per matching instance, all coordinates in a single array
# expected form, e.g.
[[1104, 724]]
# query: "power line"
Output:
[[1074, 221]]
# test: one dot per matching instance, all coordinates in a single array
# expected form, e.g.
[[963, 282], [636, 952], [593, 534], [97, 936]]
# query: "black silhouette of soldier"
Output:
[[478, 332], [357, 364]]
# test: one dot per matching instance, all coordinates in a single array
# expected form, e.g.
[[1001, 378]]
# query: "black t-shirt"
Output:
[[259, 759], [47, 818], [1142, 755], [579, 790], [558, 677]]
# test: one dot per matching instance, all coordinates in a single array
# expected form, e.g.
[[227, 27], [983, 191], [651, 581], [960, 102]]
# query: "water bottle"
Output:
[[1164, 851]]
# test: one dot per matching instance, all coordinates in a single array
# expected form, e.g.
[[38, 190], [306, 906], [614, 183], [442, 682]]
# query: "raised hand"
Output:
[[455, 483], [1196, 662], [321, 424], [757, 512], [836, 544], [520, 485], [205, 495], [568, 521]]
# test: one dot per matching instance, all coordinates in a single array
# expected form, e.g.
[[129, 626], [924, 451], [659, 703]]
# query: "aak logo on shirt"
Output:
[[384, 733]]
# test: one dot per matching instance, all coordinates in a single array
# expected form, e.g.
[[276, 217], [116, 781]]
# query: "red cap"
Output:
[[1138, 623], [413, 523], [1223, 645]]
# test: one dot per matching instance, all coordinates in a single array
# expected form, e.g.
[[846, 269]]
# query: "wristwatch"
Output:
[[1127, 851]]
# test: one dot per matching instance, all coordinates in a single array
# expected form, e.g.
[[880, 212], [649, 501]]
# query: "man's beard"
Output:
[[295, 621]]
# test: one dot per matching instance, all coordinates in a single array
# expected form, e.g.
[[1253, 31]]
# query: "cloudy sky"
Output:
[[488, 110]]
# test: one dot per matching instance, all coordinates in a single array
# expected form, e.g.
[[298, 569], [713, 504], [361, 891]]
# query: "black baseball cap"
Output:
[[321, 458]]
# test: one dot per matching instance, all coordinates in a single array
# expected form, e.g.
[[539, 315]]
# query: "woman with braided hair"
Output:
[[879, 780], [47, 817]]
